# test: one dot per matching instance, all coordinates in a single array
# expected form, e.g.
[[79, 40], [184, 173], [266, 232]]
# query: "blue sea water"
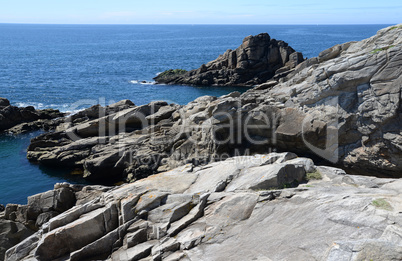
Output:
[[63, 66]]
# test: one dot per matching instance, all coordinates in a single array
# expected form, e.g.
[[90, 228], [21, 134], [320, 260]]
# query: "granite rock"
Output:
[[180, 215]]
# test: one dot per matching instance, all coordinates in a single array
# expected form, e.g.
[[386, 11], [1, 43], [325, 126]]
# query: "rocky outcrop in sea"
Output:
[[344, 106], [264, 207], [256, 60], [18, 120]]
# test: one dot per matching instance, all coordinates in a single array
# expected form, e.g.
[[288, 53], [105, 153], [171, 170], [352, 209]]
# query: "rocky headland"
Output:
[[204, 202]]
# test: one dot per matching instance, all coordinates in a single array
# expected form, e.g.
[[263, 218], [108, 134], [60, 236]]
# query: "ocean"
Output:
[[69, 67]]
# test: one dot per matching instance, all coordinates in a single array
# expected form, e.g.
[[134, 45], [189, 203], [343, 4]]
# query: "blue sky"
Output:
[[200, 12]]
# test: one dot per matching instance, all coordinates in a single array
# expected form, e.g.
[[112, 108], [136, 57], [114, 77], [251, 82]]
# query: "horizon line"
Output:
[[314, 24]]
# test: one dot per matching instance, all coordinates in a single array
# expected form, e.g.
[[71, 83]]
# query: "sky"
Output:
[[201, 12]]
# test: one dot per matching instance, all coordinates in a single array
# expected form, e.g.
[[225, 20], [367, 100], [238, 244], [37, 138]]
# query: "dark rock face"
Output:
[[19, 120], [254, 62]]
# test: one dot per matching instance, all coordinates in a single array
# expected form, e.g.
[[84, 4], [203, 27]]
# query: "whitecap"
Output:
[[147, 83], [142, 82], [36, 105], [22, 104], [72, 112], [41, 106]]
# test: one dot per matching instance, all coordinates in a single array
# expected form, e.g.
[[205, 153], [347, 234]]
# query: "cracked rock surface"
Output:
[[266, 209]]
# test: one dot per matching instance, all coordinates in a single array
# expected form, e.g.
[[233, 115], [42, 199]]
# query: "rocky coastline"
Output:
[[344, 105], [191, 196]]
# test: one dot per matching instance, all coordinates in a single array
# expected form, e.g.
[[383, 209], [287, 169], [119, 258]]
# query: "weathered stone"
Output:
[[138, 237], [279, 158], [58, 200], [308, 164], [135, 253], [162, 114], [367, 250], [77, 234], [266, 85], [127, 206], [232, 208], [150, 201], [45, 217], [268, 177], [169, 245], [88, 193], [329, 53], [170, 212], [192, 236], [176, 256], [102, 246], [194, 214], [10, 208], [12, 233], [123, 104]]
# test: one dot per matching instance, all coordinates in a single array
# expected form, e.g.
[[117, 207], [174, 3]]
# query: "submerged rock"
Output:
[[265, 205], [256, 60]]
